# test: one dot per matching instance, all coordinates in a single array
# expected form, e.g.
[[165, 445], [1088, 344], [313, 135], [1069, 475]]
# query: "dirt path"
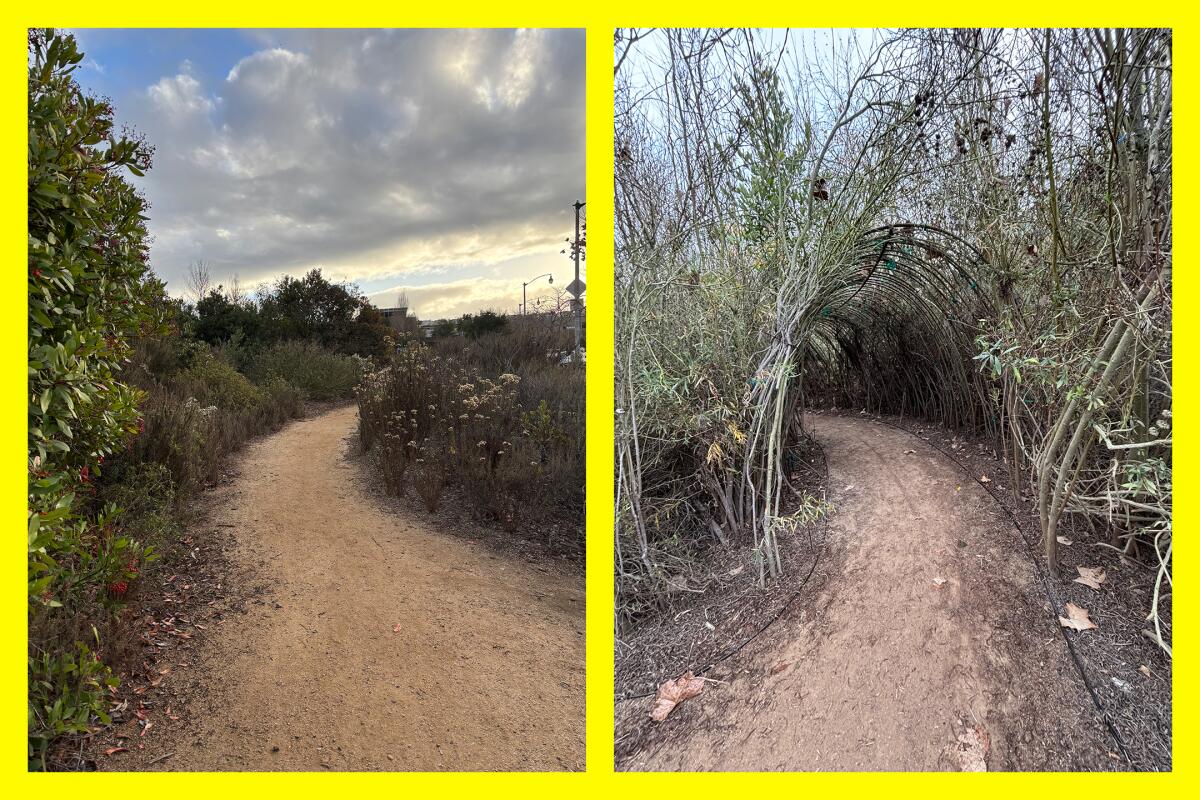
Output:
[[931, 623], [485, 673]]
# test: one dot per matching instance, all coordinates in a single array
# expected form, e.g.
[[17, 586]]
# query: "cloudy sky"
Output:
[[439, 162]]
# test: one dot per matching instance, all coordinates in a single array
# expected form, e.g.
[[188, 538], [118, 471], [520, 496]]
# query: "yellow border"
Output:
[[599, 20]]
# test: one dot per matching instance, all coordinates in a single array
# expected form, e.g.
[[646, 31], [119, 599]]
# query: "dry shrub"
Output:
[[435, 420], [317, 372]]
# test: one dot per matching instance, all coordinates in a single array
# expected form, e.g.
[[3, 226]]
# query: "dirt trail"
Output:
[[485, 673], [930, 622]]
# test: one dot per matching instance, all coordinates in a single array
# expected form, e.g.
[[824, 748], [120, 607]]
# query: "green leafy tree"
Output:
[[90, 293], [769, 181], [315, 309], [369, 334], [219, 319], [310, 308], [475, 325]]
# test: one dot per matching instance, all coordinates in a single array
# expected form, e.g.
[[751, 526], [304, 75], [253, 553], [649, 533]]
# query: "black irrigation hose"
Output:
[[1046, 586], [778, 614]]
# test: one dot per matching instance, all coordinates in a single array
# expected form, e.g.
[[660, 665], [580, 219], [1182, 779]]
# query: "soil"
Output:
[[349, 635], [723, 605], [925, 640], [1115, 656]]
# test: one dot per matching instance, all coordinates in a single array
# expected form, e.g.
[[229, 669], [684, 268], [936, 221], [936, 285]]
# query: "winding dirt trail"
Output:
[[928, 625], [484, 673]]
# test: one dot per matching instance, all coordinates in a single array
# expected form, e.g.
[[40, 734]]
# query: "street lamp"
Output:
[[531, 280]]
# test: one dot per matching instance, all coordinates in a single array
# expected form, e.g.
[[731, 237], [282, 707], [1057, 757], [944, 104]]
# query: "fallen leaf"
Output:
[[672, 693], [112, 750], [984, 479], [396, 628], [1076, 619], [1064, 540], [780, 667], [938, 581], [1091, 576], [1144, 670], [971, 750]]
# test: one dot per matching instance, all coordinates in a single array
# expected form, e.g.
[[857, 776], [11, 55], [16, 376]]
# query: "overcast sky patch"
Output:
[[441, 162]]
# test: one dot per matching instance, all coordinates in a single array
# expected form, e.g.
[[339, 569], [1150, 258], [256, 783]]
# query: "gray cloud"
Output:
[[384, 156]]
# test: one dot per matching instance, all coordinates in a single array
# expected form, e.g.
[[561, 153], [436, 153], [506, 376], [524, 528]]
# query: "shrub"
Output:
[[433, 421], [90, 292], [318, 373], [525, 345], [213, 382], [180, 435], [283, 402], [194, 420], [62, 694], [145, 493], [485, 322]]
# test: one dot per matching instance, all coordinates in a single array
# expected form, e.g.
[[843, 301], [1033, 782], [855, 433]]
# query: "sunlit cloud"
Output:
[[383, 157]]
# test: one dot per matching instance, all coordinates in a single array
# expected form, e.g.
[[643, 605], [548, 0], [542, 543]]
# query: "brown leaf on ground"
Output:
[[112, 750], [780, 667], [971, 750], [1144, 670], [672, 693], [1076, 619], [1091, 576]]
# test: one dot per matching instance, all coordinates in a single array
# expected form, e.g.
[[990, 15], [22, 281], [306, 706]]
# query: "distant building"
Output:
[[399, 320]]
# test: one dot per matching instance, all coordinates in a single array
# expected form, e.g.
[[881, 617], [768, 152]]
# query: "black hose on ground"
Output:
[[735, 650], [1051, 596]]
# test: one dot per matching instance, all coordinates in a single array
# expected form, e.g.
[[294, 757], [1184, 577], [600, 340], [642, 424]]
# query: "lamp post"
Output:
[[531, 280], [576, 287]]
